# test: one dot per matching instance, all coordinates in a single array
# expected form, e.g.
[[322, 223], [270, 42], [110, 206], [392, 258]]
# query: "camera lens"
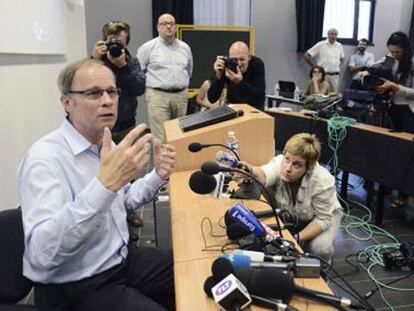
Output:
[[114, 48]]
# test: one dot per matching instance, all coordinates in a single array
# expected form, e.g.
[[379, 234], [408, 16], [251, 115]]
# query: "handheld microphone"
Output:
[[196, 147], [276, 284], [212, 168], [262, 257], [202, 183], [245, 218], [230, 294], [239, 261]]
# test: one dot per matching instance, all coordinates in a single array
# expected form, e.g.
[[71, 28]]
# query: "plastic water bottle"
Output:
[[276, 92], [296, 94], [232, 141]]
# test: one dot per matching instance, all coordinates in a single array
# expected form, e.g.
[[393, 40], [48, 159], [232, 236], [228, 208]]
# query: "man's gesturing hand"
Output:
[[122, 163], [164, 158]]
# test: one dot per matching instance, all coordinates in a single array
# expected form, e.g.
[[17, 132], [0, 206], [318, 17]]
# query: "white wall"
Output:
[[29, 106]]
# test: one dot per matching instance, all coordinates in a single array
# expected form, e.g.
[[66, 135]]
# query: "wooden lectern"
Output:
[[254, 131]]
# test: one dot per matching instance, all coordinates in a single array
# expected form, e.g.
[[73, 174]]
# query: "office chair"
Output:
[[13, 285]]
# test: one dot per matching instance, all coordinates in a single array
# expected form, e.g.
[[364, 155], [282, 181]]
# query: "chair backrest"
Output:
[[13, 285]]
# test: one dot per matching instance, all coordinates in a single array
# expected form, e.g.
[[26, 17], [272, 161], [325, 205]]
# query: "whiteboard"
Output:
[[33, 27]]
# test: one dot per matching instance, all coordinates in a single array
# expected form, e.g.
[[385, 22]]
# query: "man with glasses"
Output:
[[112, 50], [245, 83], [168, 65], [330, 55], [75, 193], [307, 190], [360, 61]]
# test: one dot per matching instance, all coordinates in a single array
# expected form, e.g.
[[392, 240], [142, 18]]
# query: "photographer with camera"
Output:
[[112, 50], [401, 88], [243, 74]]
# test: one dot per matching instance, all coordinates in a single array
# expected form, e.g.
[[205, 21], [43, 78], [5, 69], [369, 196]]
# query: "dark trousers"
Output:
[[144, 281]]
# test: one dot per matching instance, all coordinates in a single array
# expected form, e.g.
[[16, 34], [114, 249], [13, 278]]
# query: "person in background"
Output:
[[129, 77], [317, 85], [330, 55], [307, 190], [401, 90], [359, 62], [75, 192], [202, 99], [244, 85], [168, 65]]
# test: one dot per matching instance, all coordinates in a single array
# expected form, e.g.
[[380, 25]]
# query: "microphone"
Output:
[[276, 284], [203, 183], [260, 301], [262, 257], [212, 168], [228, 292], [236, 231], [247, 220], [196, 147], [240, 261]]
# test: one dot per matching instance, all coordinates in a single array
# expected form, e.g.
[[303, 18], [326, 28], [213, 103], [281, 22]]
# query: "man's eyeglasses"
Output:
[[167, 24], [97, 93]]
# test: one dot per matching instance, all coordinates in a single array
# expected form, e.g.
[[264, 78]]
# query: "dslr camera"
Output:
[[230, 63], [114, 47]]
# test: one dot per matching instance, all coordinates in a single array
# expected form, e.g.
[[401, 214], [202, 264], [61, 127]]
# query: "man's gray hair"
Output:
[[66, 76]]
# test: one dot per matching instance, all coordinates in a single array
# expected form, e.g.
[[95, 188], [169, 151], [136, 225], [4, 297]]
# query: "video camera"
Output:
[[230, 63], [114, 47], [378, 72]]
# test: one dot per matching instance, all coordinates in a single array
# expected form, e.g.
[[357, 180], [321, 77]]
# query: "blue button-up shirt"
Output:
[[74, 227]]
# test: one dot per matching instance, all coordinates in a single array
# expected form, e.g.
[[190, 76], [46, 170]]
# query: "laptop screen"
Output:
[[286, 86]]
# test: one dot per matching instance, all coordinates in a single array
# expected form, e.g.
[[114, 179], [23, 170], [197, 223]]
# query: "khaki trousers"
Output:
[[163, 106]]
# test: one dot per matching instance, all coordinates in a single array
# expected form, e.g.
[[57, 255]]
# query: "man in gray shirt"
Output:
[[168, 64], [360, 61]]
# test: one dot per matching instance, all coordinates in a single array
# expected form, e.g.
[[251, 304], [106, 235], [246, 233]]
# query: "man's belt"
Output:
[[169, 90], [332, 73]]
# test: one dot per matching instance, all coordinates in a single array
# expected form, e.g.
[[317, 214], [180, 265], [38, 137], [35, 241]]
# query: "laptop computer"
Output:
[[286, 88]]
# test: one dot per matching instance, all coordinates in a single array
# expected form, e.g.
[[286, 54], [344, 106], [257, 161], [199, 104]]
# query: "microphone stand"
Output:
[[271, 201]]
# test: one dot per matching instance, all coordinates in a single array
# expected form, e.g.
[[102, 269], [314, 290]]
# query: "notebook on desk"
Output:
[[286, 88]]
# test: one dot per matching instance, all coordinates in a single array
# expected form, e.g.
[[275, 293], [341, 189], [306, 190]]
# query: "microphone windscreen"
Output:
[[269, 283], [208, 285], [202, 183], [194, 147], [220, 269], [210, 168], [234, 231]]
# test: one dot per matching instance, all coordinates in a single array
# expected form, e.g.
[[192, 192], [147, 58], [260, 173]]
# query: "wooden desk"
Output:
[[192, 265], [369, 151]]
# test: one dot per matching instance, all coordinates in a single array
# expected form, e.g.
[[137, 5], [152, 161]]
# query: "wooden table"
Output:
[[192, 265]]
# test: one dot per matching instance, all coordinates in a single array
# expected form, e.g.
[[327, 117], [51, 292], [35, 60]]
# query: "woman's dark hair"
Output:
[[320, 69], [405, 65]]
